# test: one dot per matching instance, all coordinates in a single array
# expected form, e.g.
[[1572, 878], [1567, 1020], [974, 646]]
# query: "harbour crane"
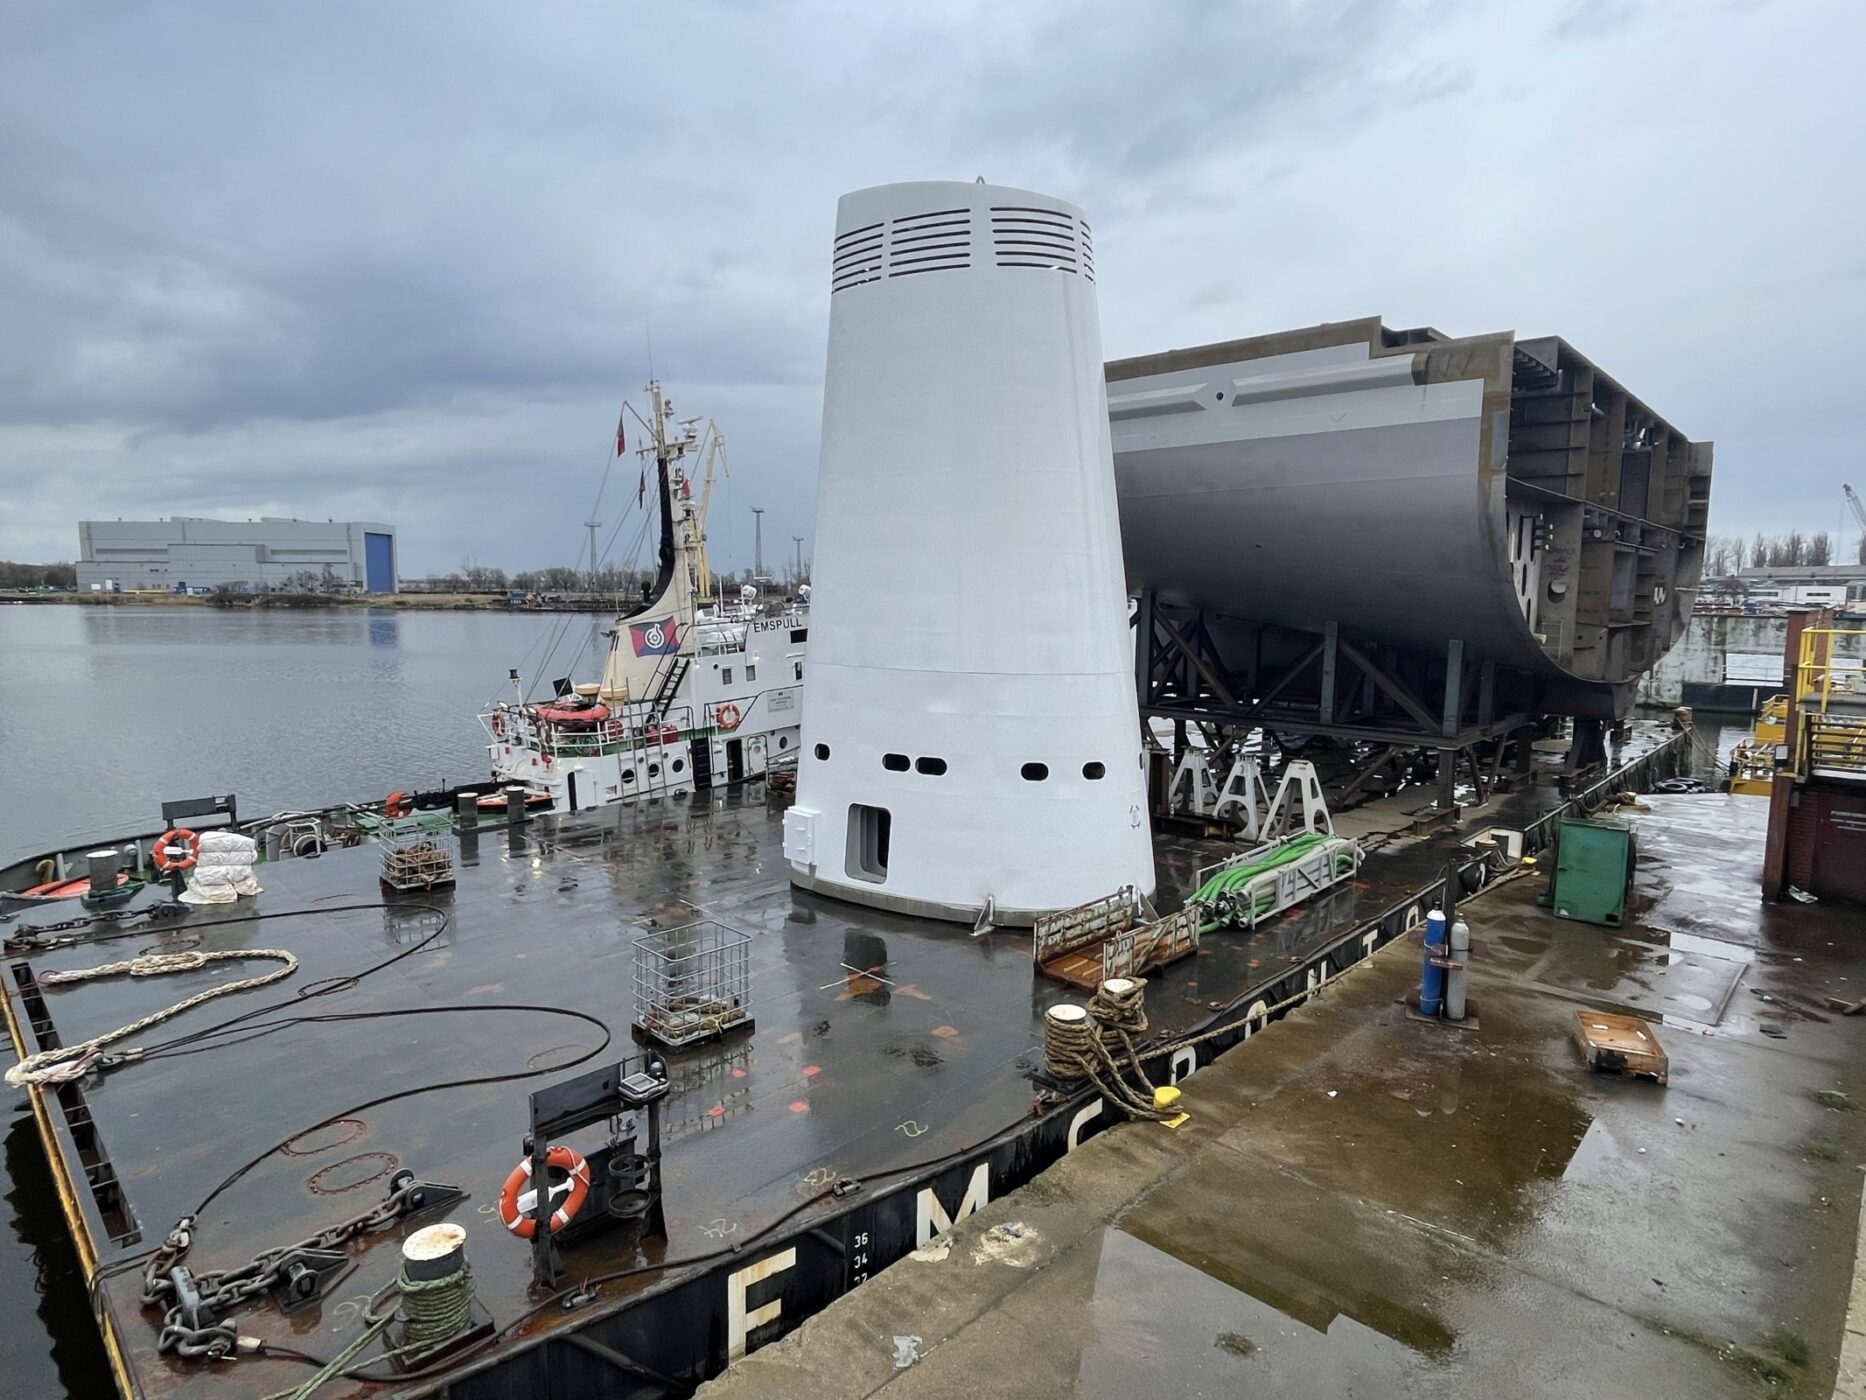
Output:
[[1859, 514]]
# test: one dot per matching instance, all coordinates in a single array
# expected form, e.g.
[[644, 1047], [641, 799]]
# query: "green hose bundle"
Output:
[[1225, 889]]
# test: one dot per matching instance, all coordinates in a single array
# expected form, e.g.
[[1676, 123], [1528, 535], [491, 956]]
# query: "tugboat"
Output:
[[694, 692]]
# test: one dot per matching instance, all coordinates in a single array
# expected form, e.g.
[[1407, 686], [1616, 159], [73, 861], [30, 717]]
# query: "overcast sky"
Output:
[[402, 262]]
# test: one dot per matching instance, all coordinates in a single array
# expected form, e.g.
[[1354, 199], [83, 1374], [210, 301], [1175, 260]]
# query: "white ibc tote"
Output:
[[970, 735]]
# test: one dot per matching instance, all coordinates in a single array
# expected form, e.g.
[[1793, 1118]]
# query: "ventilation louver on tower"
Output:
[[941, 240]]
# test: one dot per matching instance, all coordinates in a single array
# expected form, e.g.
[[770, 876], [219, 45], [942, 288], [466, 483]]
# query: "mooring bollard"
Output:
[[103, 870]]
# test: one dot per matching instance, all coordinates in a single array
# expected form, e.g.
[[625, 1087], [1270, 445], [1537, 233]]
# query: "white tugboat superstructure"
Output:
[[694, 693]]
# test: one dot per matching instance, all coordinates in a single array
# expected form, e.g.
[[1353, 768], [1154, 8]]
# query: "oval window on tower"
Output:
[[1035, 772]]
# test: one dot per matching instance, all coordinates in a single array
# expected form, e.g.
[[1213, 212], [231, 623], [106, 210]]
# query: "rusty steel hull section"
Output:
[[1415, 490]]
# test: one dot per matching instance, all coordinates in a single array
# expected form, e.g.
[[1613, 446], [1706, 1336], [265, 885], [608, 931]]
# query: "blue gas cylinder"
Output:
[[1432, 979]]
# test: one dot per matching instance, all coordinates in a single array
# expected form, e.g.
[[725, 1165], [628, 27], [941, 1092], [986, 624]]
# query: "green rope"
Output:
[[341, 1361], [432, 1310]]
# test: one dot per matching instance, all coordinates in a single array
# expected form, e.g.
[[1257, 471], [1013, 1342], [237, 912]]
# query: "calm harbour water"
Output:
[[106, 712]]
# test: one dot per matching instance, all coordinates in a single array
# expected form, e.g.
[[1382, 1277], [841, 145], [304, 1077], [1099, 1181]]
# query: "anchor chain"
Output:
[[36, 938], [195, 1305]]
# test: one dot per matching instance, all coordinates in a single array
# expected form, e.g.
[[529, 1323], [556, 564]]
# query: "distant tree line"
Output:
[[37, 575], [608, 581], [1725, 554], [474, 577]]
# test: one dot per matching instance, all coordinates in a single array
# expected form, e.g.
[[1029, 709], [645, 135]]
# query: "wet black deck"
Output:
[[881, 1042]]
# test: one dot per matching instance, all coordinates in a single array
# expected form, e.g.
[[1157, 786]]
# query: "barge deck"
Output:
[[886, 1090]]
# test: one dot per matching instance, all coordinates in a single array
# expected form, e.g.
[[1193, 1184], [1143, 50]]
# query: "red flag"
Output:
[[621, 423]]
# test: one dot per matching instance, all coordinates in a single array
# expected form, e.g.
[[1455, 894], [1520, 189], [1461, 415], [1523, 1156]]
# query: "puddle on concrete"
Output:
[[1597, 1157], [1709, 947], [1691, 980], [1152, 1315]]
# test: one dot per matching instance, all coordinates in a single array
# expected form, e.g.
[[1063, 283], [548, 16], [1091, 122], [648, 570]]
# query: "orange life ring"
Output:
[[498, 724], [179, 836], [518, 1219], [397, 804], [727, 716]]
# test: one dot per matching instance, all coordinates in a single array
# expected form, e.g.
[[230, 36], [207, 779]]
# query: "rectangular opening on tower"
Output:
[[868, 843]]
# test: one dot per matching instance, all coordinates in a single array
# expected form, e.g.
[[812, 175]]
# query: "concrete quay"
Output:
[[1365, 1205]]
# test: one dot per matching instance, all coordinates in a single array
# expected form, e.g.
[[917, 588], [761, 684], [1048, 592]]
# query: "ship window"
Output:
[[894, 762], [822, 753], [869, 828], [628, 775], [680, 765], [1093, 771], [1035, 772], [783, 741], [654, 770], [725, 676], [932, 767], [751, 672], [800, 634]]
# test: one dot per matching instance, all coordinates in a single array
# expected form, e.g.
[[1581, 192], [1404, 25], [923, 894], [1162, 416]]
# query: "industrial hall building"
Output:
[[190, 554]]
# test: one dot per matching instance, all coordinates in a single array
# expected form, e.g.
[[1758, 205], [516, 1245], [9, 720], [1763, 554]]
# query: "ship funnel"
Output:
[[970, 734]]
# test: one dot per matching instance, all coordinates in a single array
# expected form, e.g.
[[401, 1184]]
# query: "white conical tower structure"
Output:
[[970, 734]]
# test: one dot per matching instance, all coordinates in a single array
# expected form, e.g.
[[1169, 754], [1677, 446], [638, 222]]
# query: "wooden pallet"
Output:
[[1614, 1044]]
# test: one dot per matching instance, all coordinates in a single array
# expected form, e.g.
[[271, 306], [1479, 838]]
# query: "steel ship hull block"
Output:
[[1415, 489]]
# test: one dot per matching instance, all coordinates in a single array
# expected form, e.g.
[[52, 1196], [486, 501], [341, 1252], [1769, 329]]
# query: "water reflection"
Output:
[[384, 628], [865, 960], [1149, 1314]]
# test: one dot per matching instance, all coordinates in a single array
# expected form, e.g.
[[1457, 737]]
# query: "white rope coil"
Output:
[[72, 1061]]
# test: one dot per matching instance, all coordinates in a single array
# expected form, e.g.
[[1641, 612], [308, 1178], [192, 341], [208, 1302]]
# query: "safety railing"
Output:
[[628, 729], [1830, 697]]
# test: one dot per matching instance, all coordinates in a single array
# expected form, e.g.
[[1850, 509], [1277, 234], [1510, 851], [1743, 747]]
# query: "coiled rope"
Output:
[[434, 1309], [72, 1061], [431, 1311], [1078, 1041]]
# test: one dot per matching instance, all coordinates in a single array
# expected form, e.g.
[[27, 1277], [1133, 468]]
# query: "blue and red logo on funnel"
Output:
[[660, 638]]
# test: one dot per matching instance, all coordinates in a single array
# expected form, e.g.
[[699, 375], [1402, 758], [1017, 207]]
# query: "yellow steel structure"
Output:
[[1830, 700], [1772, 722]]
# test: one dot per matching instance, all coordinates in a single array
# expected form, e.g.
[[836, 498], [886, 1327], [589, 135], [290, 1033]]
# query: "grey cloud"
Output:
[[403, 261]]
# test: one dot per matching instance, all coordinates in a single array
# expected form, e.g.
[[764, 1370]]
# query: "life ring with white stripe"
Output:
[[517, 1201], [164, 857]]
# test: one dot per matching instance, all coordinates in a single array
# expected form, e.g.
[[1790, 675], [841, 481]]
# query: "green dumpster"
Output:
[[1593, 869]]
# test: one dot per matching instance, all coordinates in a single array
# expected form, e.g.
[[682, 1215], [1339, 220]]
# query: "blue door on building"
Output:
[[378, 562]]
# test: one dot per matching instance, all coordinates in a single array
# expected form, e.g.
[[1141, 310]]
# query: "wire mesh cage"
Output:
[[692, 983], [415, 853]]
